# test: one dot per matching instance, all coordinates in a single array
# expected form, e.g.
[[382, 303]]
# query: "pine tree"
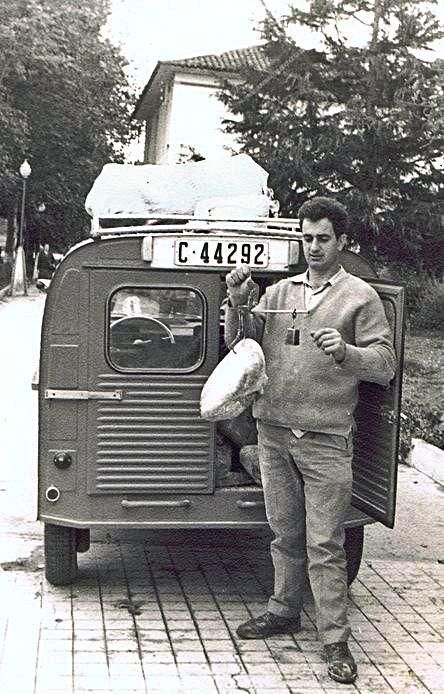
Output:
[[361, 123]]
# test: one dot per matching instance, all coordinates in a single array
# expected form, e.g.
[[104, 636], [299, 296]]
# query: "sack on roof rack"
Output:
[[128, 189]]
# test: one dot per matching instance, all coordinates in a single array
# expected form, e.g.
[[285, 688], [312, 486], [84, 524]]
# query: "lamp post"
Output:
[[18, 279]]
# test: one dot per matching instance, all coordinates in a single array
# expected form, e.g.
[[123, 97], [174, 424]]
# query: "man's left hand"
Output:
[[331, 342]]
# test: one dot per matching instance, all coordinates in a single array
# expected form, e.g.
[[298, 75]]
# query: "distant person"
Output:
[[45, 263]]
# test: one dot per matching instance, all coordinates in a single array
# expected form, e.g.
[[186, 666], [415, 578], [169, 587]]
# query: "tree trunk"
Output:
[[11, 234], [372, 97]]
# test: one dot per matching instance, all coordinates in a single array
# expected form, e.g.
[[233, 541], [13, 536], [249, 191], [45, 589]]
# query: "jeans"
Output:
[[307, 485]]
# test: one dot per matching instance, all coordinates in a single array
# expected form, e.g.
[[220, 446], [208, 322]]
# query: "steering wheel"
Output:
[[139, 330]]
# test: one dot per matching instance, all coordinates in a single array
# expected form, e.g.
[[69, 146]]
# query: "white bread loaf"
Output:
[[235, 382]]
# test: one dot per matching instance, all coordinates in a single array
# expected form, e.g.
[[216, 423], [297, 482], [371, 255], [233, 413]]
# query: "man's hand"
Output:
[[240, 285], [331, 342]]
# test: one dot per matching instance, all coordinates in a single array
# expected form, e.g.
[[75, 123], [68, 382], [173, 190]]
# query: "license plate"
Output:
[[217, 252]]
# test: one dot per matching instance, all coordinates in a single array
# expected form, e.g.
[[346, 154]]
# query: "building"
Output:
[[180, 108]]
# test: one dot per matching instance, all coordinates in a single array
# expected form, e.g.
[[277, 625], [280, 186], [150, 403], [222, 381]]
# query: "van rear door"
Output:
[[153, 342], [377, 417]]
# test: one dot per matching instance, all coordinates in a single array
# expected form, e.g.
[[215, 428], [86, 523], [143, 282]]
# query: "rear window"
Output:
[[152, 328]]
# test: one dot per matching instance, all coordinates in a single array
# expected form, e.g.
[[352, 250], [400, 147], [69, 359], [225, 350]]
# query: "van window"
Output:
[[155, 328]]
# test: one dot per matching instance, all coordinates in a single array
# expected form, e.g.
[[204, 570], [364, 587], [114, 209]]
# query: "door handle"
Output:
[[250, 504], [56, 394]]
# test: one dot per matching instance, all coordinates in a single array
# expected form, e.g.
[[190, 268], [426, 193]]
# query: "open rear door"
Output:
[[377, 416]]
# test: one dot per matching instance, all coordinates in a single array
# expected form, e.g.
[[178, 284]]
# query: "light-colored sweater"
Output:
[[307, 389]]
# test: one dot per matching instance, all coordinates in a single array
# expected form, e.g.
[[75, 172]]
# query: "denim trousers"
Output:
[[307, 486]]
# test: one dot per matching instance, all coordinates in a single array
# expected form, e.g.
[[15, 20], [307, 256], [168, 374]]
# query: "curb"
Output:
[[427, 459], [32, 290]]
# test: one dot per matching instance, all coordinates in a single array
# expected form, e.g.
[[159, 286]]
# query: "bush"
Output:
[[428, 313], [419, 420], [424, 295]]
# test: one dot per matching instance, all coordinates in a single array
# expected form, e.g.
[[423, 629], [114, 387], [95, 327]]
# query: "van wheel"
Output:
[[60, 554], [354, 544]]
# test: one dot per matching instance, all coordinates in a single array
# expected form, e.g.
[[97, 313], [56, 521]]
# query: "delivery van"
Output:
[[132, 329]]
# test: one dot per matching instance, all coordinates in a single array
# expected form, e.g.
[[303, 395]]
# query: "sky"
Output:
[[152, 30]]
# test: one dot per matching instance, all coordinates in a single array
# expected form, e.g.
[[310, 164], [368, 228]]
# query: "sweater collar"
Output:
[[304, 279]]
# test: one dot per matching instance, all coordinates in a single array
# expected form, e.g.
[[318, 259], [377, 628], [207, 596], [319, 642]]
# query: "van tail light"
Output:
[[62, 460]]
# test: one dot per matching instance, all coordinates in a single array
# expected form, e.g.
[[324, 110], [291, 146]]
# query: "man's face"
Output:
[[321, 247]]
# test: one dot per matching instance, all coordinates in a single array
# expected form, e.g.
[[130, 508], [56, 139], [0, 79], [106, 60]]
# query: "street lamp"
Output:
[[25, 172], [18, 279]]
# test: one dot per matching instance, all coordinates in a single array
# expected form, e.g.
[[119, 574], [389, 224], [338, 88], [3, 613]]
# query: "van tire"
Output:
[[354, 544], [60, 554]]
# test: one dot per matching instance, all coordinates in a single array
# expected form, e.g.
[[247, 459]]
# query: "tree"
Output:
[[65, 105], [362, 123]]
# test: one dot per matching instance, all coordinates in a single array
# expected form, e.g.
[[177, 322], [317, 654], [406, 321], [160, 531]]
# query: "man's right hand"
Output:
[[240, 284]]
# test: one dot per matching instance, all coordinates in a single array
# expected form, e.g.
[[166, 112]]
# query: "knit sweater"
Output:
[[307, 389]]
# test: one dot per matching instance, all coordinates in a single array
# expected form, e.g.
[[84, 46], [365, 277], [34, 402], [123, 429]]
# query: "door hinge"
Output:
[[52, 394]]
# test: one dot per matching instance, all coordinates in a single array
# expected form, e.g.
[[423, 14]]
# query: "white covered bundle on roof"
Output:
[[140, 190]]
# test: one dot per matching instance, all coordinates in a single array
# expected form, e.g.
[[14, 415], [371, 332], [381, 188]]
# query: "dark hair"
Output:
[[329, 208]]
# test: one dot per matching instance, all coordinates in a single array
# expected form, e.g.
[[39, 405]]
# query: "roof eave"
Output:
[[137, 113], [148, 99]]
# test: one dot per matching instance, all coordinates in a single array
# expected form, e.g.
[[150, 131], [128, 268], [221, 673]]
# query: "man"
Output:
[[305, 421], [45, 263]]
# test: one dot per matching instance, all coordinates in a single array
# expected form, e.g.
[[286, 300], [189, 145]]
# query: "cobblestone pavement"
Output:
[[160, 616]]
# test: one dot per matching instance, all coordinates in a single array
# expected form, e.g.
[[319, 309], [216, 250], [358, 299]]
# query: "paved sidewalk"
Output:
[[159, 614]]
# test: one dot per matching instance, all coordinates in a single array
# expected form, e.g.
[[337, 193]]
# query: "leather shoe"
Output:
[[268, 624], [341, 665]]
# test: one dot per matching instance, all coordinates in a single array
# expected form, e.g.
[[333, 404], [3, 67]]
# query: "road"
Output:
[[20, 324]]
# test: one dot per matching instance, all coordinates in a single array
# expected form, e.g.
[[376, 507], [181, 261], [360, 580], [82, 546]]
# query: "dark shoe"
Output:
[[341, 665], [268, 624]]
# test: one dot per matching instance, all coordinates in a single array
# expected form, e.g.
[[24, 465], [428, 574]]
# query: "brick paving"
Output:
[[154, 617]]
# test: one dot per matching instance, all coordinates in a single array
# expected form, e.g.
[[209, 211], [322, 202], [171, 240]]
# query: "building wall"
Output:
[[157, 128], [189, 119]]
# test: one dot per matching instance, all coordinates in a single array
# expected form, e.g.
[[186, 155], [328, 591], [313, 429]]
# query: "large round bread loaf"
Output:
[[235, 382]]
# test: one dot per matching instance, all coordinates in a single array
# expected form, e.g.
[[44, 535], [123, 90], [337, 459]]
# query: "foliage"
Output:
[[362, 123], [429, 311], [64, 105], [424, 293], [422, 390], [421, 421]]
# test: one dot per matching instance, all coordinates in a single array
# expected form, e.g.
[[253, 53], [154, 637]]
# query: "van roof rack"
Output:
[[188, 224]]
